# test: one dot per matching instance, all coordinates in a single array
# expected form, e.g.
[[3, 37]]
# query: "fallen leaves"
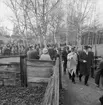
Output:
[[22, 95]]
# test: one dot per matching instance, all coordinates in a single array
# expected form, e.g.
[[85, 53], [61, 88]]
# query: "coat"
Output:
[[64, 57], [51, 53], [72, 62], [99, 72], [45, 57], [84, 66], [91, 57], [33, 54]]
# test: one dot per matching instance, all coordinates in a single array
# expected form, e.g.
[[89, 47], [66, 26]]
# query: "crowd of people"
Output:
[[32, 51], [81, 63], [45, 53], [12, 49], [75, 62]]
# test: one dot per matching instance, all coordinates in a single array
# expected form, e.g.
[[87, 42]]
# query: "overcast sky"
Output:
[[5, 13]]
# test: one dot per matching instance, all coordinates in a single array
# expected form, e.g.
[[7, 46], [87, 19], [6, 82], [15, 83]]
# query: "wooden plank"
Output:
[[1, 82], [3, 68], [9, 82], [37, 79], [10, 59], [49, 92], [8, 56], [56, 85], [39, 72], [23, 71], [40, 63], [35, 60]]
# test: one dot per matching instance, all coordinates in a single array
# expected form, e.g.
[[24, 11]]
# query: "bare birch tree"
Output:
[[32, 15], [80, 11]]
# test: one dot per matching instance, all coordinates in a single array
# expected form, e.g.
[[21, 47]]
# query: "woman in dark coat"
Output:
[[85, 65]]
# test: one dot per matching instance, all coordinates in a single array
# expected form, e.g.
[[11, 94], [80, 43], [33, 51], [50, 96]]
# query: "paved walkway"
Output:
[[78, 94]]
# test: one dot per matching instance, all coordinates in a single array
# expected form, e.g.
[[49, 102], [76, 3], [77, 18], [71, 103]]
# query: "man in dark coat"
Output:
[[51, 52], [97, 77], [91, 57], [78, 65], [85, 65], [64, 57], [99, 72], [32, 53]]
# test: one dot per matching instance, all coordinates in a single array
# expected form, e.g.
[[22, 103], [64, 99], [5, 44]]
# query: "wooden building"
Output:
[[92, 38]]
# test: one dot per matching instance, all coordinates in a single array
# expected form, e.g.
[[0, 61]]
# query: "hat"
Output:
[[86, 47], [45, 50], [89, 46], [73, 48]]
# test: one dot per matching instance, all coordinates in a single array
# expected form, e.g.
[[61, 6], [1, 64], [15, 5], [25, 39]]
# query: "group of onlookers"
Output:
[[12, 49], [46, 53]]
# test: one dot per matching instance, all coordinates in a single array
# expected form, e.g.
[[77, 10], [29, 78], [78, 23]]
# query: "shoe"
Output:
[[86, 84], [64, 73], [73, 81], [80, 79], [92, 76], [97, 85]]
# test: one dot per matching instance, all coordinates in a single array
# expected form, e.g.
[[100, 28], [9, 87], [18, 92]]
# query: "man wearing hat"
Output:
[[91, 57], [85, 65], [32, 53]]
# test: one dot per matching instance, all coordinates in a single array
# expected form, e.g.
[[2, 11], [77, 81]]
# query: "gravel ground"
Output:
[[78, 94], [21, 95]]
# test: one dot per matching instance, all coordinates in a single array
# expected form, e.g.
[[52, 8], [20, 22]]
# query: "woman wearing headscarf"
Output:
[[72, 64], [45, 55]]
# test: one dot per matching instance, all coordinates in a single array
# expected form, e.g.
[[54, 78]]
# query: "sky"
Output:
[[5, 13]]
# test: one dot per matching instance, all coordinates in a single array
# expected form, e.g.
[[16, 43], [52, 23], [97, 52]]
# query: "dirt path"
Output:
[[78, 94]]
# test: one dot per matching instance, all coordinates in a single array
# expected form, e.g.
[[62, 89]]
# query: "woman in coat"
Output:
[[45, 55], [72, 63]]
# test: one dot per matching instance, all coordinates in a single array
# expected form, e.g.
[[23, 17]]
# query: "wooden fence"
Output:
[[32, 71], [52, 92], [9, 70]]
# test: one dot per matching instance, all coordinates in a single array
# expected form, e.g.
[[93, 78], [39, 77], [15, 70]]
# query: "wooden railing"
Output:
[[52, 92]]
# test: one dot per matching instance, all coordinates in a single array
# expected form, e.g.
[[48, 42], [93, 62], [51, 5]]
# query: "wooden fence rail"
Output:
[[52, 92]]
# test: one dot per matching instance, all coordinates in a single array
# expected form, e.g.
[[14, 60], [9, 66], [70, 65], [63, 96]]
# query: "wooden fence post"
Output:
[[60, 76], [23, 70]]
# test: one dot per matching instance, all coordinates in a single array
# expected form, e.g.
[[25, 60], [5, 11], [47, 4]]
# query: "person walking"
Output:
[[64, 57], [91, 57], [85, 65], [99, 72], [72, 64]]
